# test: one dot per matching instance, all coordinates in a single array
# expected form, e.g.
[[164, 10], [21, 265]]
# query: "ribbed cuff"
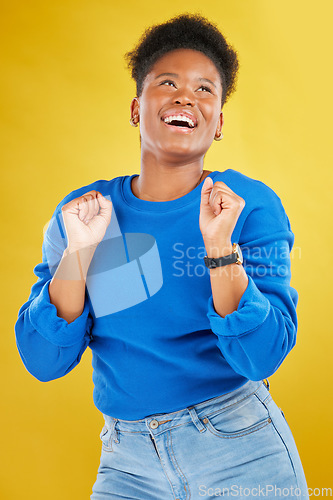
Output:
[[43, 317], [252, 311]]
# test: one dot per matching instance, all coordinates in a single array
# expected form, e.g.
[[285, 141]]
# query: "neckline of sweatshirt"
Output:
[[160, 206]]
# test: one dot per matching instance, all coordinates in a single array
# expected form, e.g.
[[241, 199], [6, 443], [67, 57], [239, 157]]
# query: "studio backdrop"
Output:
[[65, 110]]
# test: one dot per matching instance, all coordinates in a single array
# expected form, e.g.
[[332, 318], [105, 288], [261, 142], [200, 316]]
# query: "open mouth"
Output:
[[180, 123]]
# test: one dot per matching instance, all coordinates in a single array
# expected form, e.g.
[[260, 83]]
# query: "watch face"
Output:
[[239, 251]]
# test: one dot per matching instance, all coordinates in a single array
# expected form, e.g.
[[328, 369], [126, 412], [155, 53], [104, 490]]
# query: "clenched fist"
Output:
[[86, 219], [220, 209]]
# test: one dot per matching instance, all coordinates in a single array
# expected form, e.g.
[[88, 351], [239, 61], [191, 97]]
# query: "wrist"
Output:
[[218, 249], [76, 262], [82, 250]]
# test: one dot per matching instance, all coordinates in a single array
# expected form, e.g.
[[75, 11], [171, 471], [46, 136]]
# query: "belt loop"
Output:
[[197, 422], [266, 382]]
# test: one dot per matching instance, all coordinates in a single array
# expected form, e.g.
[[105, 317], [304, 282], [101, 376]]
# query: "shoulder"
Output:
[[54, 230], [262, 204], [106, 187], [254, 191]]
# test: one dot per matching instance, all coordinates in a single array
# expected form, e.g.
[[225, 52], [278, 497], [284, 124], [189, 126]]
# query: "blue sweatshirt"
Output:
[[158, 344]]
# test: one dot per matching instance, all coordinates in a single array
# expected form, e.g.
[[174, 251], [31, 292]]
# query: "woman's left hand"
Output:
[[219, 211]]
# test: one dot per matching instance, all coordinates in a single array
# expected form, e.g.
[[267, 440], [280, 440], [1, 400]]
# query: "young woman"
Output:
[[178, 279]]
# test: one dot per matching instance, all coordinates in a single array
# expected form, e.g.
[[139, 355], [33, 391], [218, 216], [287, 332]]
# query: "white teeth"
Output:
[[183, 118]]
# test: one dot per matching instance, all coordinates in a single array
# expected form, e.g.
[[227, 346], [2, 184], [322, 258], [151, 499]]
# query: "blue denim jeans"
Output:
[[235, 445]]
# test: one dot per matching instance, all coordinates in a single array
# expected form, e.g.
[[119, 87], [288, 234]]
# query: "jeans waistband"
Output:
[[161, 422]]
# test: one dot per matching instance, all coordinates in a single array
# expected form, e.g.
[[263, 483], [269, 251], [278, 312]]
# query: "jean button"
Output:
[[153, 424]]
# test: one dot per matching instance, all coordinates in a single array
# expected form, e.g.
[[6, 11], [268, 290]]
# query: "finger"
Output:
[[88, 207], [83, 207], [96, 204], [215, 202], [206, 191], [228, 200], [221, 200], [90, 204], [104, 204], [93, 206]]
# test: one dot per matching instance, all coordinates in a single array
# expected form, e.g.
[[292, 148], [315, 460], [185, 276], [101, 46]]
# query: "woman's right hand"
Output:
[[86, 219]]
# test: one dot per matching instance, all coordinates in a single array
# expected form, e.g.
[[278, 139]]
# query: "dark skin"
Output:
[[172, 158], [171, 161], [171, 166]]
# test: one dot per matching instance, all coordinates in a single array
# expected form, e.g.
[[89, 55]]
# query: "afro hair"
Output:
[[186, 31]]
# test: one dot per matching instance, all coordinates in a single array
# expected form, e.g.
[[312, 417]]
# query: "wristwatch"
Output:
[[236, 257]]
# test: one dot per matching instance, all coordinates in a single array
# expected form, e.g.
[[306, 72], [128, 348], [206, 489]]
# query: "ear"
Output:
[[135, 108], [220, 124]]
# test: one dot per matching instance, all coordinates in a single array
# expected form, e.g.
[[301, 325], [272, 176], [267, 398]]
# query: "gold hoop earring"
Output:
[[219, 137], [133, 123]]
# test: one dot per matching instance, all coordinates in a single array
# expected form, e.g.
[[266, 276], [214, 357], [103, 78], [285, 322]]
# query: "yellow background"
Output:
[[65, 94]]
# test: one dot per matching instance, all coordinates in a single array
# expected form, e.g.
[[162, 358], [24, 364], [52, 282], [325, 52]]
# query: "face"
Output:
[[179, 110]]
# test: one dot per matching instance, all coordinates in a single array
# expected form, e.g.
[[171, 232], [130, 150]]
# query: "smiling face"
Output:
[[179, 109]]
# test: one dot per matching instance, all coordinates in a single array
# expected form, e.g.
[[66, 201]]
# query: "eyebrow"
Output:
[[207, 80], [176, 76], [166, 74]]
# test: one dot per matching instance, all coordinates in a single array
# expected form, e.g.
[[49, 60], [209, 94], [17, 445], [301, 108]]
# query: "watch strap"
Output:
[[211, 262]]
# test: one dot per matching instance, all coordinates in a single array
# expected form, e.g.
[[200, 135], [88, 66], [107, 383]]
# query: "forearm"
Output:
[[228, 282], [67, 287]]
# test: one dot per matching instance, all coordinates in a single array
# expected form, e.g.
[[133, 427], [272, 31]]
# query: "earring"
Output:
[[133, 123], [219, 137]]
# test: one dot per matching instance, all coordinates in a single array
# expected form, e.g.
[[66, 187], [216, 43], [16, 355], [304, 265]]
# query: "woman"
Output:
[[184, 329]]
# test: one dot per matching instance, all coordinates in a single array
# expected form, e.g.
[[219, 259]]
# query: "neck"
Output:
[[167, 182]]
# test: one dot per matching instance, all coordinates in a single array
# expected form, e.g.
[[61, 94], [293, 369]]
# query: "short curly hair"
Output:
[[191, 31]]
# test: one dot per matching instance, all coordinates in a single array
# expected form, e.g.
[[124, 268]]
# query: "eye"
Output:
[[205, 88], [167, 81]]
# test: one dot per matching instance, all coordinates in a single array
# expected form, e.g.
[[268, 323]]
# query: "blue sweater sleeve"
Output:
[[257, 337], [49, 346]]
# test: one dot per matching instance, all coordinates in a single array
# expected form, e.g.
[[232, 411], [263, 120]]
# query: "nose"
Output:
[[183, 97]]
